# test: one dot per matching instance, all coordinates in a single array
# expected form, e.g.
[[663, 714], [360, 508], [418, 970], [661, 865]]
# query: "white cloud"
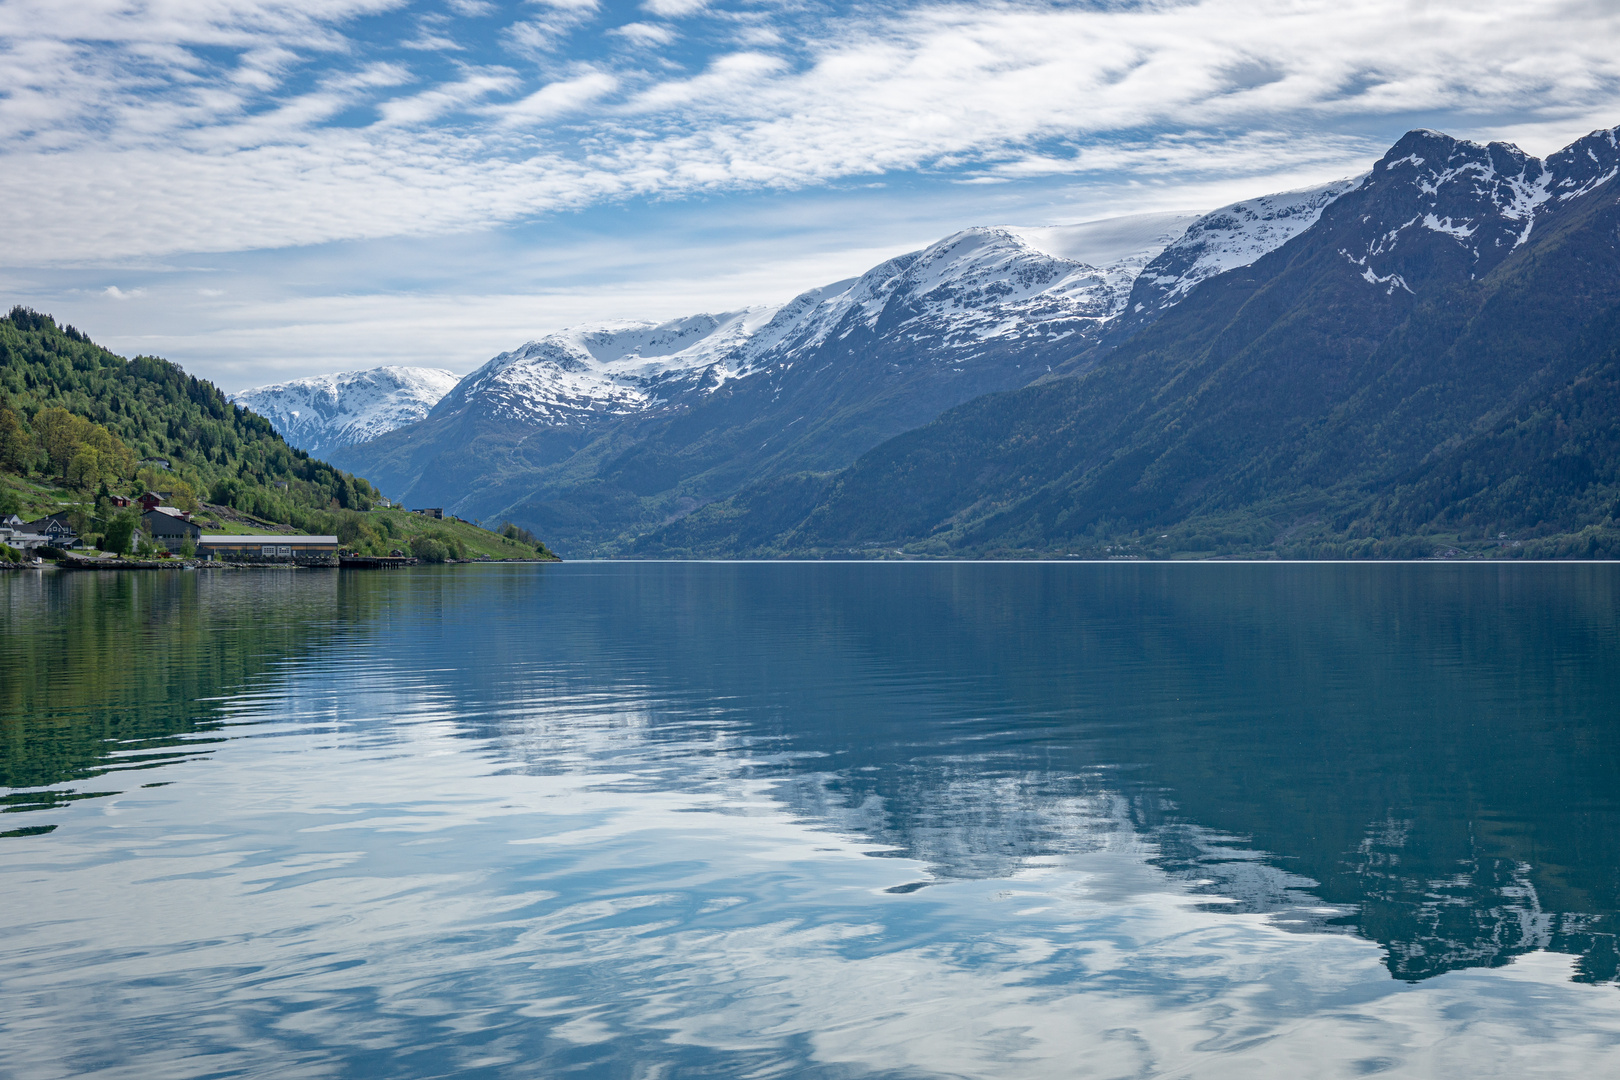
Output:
[[673, 9], [558, 98], [645, 33], [372, 76], [733, 79], [544, 34], [455, 301], [432, 104], [427, 42], [186, 158], [191, 22], [758, 36]]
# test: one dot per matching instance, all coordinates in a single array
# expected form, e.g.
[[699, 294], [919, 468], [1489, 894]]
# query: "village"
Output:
[[165, 532], [173, 536]]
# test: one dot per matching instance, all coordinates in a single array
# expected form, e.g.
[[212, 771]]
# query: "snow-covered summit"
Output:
[[606, 369], [324, 412], [1478, 201], [973, 289], [1004, 282]]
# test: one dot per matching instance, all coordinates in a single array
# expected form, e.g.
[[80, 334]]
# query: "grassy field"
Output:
[[37, 499], [399, 526], [403, 524]]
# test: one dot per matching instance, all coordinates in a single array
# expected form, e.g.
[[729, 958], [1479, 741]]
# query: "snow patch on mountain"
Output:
[[1233, 236], [324, 412]]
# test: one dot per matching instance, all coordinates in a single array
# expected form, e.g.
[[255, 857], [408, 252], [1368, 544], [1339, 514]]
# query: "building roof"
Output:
[[281, 539], [170, 510], [8, 534]]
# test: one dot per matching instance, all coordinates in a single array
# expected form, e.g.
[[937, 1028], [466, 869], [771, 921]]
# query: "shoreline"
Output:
[[79, 563]]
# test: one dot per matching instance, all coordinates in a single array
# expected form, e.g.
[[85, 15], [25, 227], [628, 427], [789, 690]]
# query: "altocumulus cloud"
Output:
[[139, 128]]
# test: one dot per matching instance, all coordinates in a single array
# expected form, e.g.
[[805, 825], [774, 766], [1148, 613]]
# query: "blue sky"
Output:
[[267, 188]]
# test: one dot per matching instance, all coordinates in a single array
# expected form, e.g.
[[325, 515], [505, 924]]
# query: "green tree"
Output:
[[183, 495], [120, 531], [55, 382], [84, 470], [428, 549], [60, 434], [16, 444], [115, 461]]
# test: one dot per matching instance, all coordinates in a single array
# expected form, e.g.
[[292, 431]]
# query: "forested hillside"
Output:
[[76, 416]]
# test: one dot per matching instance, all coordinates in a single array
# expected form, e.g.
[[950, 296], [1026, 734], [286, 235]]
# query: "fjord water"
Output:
[[821, 820]]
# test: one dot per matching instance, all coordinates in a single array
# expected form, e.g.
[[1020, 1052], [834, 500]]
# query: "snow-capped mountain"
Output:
[[1032, 288], [600, 432], [975, 289], [683, 411], [1479, 201], [324, 412], [605, 370]]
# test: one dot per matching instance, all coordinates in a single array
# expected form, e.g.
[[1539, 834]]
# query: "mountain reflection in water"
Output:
[[1423, 756]]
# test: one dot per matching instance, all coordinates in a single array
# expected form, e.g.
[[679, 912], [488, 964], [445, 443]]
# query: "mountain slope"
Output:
[[595, 434], [1226, 239], [323, 412], [1394, 370]]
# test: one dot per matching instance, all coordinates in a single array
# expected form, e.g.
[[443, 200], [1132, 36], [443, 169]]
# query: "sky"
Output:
[[264, 189]]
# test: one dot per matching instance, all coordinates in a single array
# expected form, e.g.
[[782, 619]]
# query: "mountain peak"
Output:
[[1436, 208], [323, 412]]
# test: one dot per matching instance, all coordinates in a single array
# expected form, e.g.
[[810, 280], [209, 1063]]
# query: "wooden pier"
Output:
[[375, 562]]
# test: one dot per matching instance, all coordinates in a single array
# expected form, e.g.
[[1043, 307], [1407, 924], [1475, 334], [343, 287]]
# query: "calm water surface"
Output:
[[874, 820]]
